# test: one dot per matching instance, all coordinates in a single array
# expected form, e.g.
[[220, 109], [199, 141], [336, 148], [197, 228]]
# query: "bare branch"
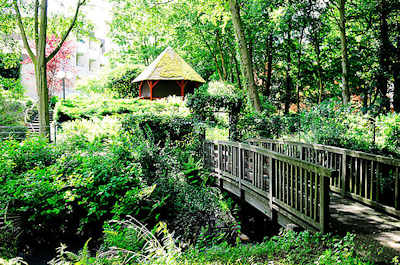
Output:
[[23, 34], [80, 3]]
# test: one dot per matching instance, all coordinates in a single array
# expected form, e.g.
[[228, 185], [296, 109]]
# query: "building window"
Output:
[[79, 60], [103, 46], [92, 65], [92, 44]]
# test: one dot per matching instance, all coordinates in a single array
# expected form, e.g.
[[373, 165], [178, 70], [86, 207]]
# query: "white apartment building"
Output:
[[88, 56]]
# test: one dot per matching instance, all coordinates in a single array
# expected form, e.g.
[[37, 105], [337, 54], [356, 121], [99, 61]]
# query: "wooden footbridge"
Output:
[[291, 182]]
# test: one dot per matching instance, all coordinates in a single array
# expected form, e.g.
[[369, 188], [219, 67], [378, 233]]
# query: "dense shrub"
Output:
[[161, 127], [331, 123], [97, 106], [11, 111], [130, 240], [13, 87], [10, 66], [287, 248], [121, 81], [117, 82], [214, 98], [96, 129], [252, 125], [81, 183], [11, 117]]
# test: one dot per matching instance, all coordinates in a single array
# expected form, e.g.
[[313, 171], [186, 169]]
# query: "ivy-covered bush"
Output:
[[117, 82], [216, 97], [161, 127], [253, 125], [121, 81]]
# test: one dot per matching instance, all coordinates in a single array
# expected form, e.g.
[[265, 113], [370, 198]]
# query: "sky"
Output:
[[97, 11]]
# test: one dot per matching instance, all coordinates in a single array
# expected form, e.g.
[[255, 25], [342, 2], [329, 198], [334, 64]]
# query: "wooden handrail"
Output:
[[364, 177], [339, 150], [295, 188]]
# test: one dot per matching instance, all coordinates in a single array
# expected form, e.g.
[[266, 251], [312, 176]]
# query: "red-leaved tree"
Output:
[[62, 61]]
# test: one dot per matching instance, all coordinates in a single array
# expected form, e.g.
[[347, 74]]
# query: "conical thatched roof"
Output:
[[169, 66]]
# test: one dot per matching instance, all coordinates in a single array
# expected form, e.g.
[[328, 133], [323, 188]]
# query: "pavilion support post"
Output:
[[140, 89], [151, 86], [182, 84]]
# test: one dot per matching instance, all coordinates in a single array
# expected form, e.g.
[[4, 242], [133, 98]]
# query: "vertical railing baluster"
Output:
[[397, 189], [324, 203]]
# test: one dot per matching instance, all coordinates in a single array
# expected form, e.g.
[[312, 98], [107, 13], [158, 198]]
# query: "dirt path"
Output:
[[378, 234]]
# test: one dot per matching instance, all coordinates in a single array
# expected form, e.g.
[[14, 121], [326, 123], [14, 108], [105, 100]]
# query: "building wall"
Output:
[[87, 60], [89, 57]]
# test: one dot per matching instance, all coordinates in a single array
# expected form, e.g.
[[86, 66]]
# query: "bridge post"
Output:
[[240, 167], [271, 186], [324, 203], [343, 175], [397, 189], [274, 213], [219, 158]]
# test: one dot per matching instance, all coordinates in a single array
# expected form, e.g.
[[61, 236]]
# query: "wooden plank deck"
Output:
[[376, 229]]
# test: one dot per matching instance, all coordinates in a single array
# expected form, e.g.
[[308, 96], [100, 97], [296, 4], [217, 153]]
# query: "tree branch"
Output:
[[36, 26], [23, 34], [80, 3]]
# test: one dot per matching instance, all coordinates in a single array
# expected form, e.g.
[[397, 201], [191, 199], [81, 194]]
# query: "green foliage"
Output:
[[160, 127], [9, 233], [216, 97], [117, 81], [252, 124], [330, 123], [92, 130], [97, 106], [11, 111], [94, 175], [121, 81], [12, 86], [14, 261], [213, 97], [287, 248], [12, 123], [10, 66]]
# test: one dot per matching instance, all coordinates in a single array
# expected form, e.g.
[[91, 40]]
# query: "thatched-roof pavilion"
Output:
[[168, 75]]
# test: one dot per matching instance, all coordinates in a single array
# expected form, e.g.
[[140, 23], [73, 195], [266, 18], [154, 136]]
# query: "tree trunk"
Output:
[[269, 67], [289, 81], [41, 75], [237, 68], [396, 75], [298, 68], [40, 60], [343, 41], [384, 56], [319, 70], [244, 55], [221, 55], [43, 93]]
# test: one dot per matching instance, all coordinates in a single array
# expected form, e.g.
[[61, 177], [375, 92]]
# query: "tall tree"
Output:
[[245, 56], [384, 54], [39, 57], [343, 42]]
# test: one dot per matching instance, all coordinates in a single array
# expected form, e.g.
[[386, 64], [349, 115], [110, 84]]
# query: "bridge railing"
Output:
[[367, 178], [297, 189]]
